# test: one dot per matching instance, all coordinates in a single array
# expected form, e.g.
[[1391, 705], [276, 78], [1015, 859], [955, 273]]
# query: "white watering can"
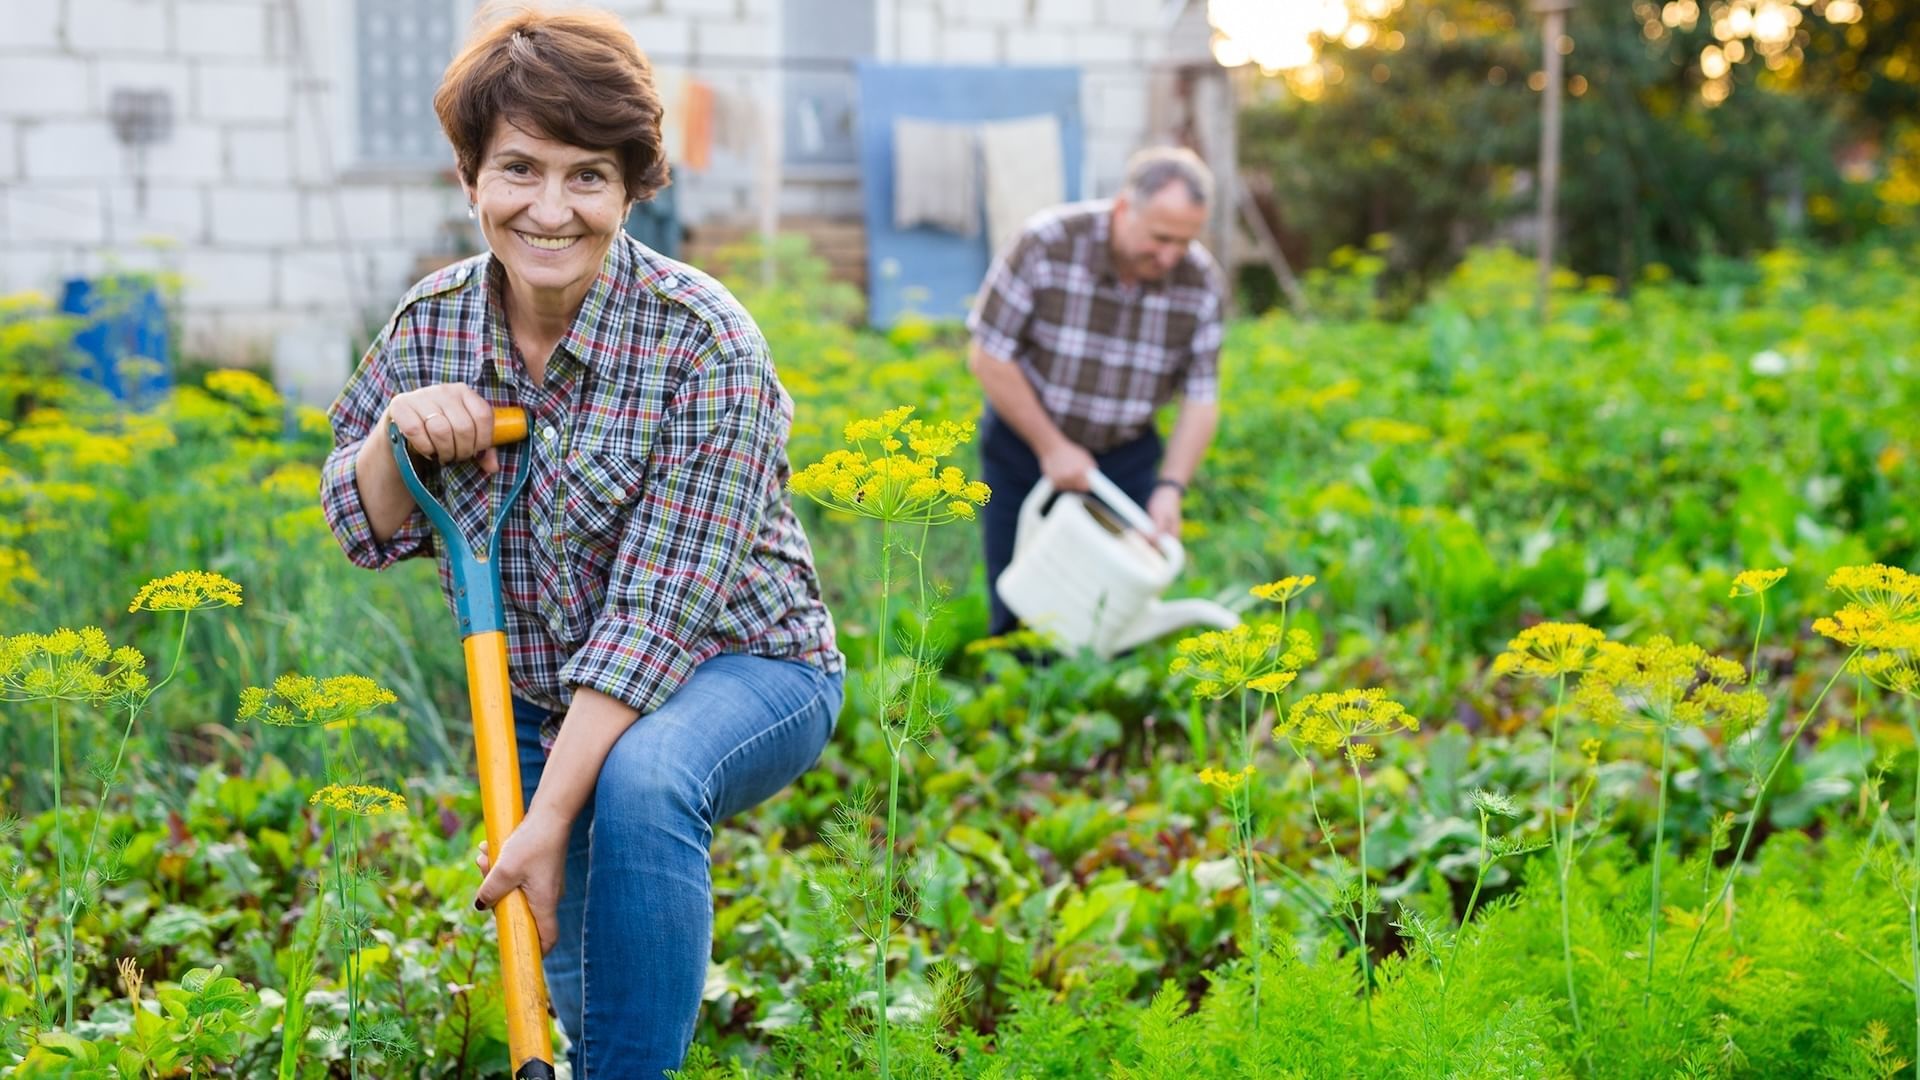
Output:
[[1090, 572]]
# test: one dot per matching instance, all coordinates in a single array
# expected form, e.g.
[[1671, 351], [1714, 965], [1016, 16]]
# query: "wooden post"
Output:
[[1553, 28]]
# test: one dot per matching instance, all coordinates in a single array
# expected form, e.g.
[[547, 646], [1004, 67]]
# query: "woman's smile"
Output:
[[547, 243]]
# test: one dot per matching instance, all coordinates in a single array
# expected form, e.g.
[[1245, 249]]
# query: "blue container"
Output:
[[123, 346]]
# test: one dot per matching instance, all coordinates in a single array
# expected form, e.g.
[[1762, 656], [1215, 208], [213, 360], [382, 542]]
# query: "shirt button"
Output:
[[540, 529], [546, 433], [619, 493], [553, 624]]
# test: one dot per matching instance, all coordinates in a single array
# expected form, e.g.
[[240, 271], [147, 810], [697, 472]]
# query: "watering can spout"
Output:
[[1168, 616]]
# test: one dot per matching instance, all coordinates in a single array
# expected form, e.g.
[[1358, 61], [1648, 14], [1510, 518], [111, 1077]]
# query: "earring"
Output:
[[472, 212]]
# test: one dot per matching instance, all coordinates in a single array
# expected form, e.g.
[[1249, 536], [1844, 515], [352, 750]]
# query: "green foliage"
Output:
[[1069, 897], [1427, 134]]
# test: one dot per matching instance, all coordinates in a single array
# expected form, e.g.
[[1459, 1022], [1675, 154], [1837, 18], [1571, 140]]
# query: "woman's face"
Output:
[[549, 209]]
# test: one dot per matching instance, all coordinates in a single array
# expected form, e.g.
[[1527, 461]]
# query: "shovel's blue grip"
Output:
[[477, 602]]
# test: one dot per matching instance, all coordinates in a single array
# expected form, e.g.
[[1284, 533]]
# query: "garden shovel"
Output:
[[477, 603]]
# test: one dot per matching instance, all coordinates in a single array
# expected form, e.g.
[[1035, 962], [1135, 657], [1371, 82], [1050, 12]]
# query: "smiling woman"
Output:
[[671, 660]]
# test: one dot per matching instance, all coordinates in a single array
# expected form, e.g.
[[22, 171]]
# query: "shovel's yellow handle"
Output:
[[529, 1039]]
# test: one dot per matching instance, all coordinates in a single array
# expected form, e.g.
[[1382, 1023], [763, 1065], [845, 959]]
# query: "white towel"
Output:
[[936, 175], [1025, 173]]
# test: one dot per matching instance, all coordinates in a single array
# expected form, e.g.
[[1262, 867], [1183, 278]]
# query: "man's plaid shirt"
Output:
[[656, 529], [1101, 355]]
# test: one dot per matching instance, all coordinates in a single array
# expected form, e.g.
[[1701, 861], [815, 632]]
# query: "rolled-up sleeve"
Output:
[[1202, 382], [998, 319], [353, 415], [713, 469]]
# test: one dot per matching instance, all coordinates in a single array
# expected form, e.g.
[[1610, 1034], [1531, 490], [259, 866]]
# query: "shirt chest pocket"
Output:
[[602, 490]]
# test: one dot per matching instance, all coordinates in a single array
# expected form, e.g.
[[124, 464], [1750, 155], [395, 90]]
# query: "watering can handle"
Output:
[[1116, 500]]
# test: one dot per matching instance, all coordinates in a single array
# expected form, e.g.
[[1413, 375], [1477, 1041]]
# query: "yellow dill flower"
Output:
[[1285, 589], [304, 701], [312, 421], [1892, 671], [1224, 661], [71, 665], [1663, 683], [244, 388], [1548, 650], [362, 799], [1337, 719], [1868, 627], [893, 472], [1225, 781], [1889, 592], [294, 480], [1385, 431], [1274, 683], [16, 569], [187, 590], [1590, 749], [1024, 638], [1755, 582]]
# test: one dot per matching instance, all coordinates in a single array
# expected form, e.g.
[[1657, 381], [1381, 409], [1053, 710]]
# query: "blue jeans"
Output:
[[636, 918]]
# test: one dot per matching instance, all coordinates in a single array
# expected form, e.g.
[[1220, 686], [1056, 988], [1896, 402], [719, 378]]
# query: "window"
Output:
[[820, 40], [401, 49]]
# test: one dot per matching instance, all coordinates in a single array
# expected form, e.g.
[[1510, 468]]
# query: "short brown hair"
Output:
[[575, 76]]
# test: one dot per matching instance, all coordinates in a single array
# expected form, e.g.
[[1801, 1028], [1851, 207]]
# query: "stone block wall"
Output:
[[256, 197]]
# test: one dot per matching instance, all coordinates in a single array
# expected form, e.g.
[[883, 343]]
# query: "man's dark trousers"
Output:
[[1010, 468]]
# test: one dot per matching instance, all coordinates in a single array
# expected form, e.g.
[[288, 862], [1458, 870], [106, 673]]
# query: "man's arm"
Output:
[[1064, 461], [1192, 433]]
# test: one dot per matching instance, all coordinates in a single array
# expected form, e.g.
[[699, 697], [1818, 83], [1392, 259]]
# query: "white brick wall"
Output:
[[315, 279], [56, 215], [255, 217], [917, 34], [1072, 14], [970, 45], [368, 210], [98, 27], [192, 152], [261, 148], [170, 75], [176, 212], [425, 214], [223, 91], [670, 36], [228, 279], [230, 30], [44, 86], [261, 154], [31, 26], [987, 11], [69, 150], [1106, 47]]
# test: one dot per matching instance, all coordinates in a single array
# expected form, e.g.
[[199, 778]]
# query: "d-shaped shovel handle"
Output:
[[478, 604]]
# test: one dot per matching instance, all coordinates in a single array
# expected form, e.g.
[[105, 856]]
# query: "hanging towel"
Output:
[[936, 175], [1025, 173], [696, 125]]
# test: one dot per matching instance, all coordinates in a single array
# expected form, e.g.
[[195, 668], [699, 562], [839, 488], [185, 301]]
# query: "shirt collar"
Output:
[[589, 340], [1101, 258]]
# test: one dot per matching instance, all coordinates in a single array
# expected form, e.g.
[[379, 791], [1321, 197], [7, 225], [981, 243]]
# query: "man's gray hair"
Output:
[[1149, 172]]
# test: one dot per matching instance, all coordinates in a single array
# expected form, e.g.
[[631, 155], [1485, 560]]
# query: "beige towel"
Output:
[[936, 176], [1025, 173]]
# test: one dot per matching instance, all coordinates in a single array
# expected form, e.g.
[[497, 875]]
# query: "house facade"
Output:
[[281, 157]]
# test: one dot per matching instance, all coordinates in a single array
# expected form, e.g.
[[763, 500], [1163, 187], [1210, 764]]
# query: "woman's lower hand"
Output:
[[446, 422], [533, 860]]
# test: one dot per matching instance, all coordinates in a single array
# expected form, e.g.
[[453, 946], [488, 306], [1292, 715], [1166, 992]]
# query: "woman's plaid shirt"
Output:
[[656, 530]]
